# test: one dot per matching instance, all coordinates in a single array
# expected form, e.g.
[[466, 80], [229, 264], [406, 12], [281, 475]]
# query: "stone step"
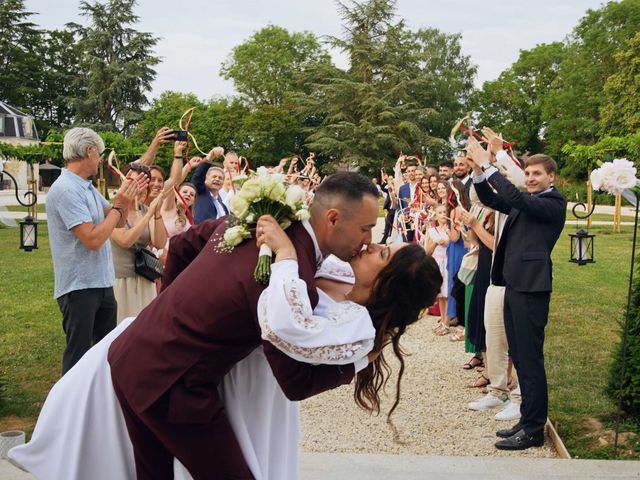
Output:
[[347, 466]]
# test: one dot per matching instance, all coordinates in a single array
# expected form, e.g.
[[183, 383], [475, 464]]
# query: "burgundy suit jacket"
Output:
[[204, 322]]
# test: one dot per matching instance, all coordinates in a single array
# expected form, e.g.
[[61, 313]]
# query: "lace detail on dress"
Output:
[[335, 269], [323, 354], [343, 312], [292, 297]]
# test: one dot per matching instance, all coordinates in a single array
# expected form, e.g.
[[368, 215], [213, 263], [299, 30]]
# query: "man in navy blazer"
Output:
[[523, 265], [208, 180]]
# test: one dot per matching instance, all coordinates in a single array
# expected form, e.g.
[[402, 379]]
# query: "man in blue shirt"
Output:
[[80, 222]]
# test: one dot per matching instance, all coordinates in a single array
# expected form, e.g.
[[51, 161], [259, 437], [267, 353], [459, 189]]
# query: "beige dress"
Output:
[[132, 291]]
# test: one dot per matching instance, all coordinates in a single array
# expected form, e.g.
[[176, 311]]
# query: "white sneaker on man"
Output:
[[510, 412], [487, 402]]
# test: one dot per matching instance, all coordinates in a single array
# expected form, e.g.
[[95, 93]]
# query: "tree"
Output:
[[571, 110], [620, 113], [403, 90], [116, 66], [59, 62], [512, 104], [268, 65], [19, 63]]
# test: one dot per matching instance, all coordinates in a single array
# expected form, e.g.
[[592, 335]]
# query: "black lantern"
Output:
[[581, 247], [28, 234]]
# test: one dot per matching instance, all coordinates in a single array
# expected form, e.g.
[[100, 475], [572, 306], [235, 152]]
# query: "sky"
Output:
[[196, 36]]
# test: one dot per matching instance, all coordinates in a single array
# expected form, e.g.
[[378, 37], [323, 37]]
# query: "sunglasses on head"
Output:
[[136, 167]]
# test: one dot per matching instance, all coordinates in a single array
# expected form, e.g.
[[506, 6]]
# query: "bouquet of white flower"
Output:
[[263, 194], [614, 177]]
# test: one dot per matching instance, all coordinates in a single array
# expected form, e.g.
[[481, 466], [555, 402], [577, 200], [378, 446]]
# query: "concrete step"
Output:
[[347, 466]]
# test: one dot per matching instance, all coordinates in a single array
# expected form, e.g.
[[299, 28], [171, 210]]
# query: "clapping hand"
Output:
[[476, 155], [494, 140], [129, 190]]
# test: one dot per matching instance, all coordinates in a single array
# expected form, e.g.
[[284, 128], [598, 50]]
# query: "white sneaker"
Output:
[[510, 412], [487, 402]]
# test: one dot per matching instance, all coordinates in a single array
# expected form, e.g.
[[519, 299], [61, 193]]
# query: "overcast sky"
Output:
[[198, 35]]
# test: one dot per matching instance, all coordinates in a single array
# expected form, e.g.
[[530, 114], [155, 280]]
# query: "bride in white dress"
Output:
[[81, 432]]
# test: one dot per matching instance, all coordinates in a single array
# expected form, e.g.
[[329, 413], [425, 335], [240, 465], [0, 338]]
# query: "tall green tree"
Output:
[[60, 64], [268, 65], [512, 104], [620, 114], [402, 91], [116, 66], [19, 62], [571, 110]]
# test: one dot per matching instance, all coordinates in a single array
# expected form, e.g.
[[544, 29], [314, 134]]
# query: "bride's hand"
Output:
[[270, 233]]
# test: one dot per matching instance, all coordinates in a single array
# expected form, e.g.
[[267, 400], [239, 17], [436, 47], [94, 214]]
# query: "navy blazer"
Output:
[[522, 259], [404, 195], [204, 206]]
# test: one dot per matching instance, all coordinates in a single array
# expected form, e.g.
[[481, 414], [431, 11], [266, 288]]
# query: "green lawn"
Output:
[[587, 306]]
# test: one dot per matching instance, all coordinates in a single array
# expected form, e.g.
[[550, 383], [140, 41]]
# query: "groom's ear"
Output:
[[332, 216]]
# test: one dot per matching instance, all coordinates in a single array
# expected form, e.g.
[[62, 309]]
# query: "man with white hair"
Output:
[[80, 222], [209, 180]]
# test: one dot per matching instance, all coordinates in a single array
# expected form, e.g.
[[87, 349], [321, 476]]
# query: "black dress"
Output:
[[475, 323]]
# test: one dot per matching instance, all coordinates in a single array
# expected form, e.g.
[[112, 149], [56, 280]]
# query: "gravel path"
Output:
[[432, 417]]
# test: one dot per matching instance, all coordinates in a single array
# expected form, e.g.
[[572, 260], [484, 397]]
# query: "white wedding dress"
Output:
[[81, 433]]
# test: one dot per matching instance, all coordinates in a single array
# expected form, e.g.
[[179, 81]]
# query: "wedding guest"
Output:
[[143, 228], [461, 171], [480, 223], [445, 171], [500, 392], [436, 241], [390, 205], [535, 221], [79, 222], [209, 180]]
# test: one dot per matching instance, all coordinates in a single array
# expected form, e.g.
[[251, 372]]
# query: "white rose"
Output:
[[623, 163], [295, 196], [238, 206], [302, 214], [250, 190], [596, 179], [625, 179], [262, 171], [234, 235], [277, 192]]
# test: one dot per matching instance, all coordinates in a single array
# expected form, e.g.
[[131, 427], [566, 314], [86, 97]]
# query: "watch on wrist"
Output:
[[120, 210], [485, 166]]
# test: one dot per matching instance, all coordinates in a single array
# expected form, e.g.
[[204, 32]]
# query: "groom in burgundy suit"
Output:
[[167, 365]]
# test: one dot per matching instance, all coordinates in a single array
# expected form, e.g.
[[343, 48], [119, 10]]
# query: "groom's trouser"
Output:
[[525, 317], [208, 451]]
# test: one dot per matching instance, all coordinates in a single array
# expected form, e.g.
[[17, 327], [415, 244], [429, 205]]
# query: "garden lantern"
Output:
[[581, 247], [28, 234]]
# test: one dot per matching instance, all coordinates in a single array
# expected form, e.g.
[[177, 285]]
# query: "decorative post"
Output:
[[589, 196]]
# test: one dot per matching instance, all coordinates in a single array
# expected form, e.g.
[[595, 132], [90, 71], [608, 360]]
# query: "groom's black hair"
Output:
[[348, 185]]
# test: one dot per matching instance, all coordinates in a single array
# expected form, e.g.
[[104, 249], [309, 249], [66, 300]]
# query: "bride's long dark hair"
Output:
[[407, 285]]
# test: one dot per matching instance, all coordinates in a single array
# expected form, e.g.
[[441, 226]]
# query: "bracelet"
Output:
[[178, 156], [120, 210], [295, 259]]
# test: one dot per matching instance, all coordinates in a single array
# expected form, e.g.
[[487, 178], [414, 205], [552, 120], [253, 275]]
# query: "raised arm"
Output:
[[164, 135]]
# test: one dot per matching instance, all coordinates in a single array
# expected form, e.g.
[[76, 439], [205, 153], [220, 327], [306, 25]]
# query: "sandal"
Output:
[[442, 331], [473, 363], [457, 337], [481, 382]]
